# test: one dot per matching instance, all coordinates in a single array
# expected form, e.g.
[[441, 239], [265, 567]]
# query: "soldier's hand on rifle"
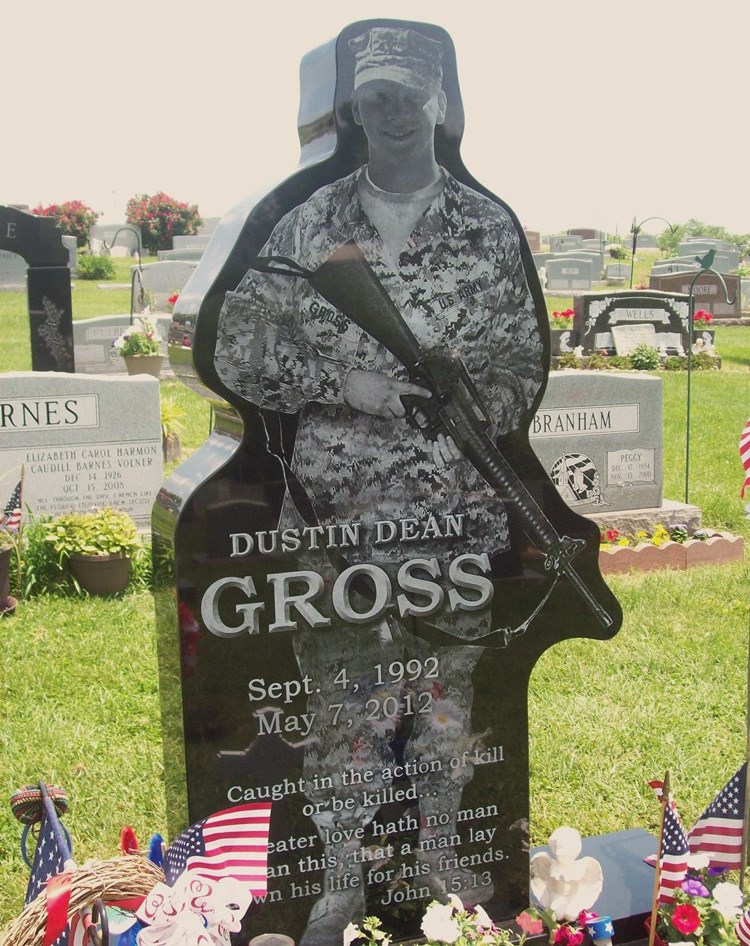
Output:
[[444, 451], [375, 393]]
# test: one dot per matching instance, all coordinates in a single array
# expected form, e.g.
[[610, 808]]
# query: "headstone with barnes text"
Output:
[[349, 591], [79, 443], [598, 314], [599, 437]]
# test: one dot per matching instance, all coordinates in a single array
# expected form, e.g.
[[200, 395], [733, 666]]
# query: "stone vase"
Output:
[[144, 364], [101, 574]]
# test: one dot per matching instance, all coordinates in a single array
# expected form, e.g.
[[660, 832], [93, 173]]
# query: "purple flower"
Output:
[[694, 888], [716, 871]]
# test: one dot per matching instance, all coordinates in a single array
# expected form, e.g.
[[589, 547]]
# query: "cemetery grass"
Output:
[[79, 689]]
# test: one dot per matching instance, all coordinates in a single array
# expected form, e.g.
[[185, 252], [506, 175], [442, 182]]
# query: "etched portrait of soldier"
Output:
[[394, 516]]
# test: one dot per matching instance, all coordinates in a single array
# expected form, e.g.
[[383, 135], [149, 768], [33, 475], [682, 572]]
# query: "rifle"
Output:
[[454, 408]]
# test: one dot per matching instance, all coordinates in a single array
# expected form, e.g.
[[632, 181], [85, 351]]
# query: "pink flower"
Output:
[[529, 924], [686, 919]]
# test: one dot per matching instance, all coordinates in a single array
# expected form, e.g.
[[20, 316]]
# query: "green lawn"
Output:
[[79, 699]]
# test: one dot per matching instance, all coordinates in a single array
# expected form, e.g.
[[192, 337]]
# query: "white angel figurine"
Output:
[[562, 881]]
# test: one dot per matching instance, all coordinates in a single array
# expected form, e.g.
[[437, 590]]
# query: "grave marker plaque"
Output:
[[707, 291], [351, 587]]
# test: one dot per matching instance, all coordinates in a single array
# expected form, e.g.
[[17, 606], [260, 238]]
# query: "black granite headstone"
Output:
[[362, 595], [39, 241], [598, 314]]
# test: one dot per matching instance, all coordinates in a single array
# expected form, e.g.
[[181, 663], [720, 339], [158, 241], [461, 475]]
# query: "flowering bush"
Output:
[[702, 318], [160, 218], [443, 923], [562, 320], [140, 338], [74, 218], [706, 907]]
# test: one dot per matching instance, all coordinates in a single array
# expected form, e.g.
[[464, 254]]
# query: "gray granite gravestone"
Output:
[[12, 271], [81, 442], [562, 242], [105, 237], [154, 284], [599, 437], [348, 593], [93, 338], [596, 314], [616, 273], [566, 272]]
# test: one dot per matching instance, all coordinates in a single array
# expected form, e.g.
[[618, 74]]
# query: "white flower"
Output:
[[455, 901], [485, 923], [351, 933], [698, 862], [438, 923], [728, 900]]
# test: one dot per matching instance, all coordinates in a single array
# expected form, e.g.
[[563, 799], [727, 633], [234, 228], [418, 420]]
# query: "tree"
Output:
[[73, 217], [160, 218]]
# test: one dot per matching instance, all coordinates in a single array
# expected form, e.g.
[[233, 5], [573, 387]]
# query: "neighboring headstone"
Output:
[[561, 242], [596, 259], [597, 245], [585, 233], [39, 241], [12, 271], [71, 245], [534, 238], [93, 340], [568, 273], [599, 437], [155, 283], [105, 237], [338, 652], [708, 291], [81, 442], [745, 294], [540, 259], [193, 253], [192, 241], [646, 241], [209, 225], [617, 273], [597, 314]]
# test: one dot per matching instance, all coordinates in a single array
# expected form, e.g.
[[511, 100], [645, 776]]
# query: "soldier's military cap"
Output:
[[401, 55]]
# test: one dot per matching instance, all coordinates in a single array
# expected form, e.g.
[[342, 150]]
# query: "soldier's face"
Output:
[[398, 118]]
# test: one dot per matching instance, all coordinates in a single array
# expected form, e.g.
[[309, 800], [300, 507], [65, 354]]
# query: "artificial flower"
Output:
[[686, 918], [531, 926], [351, 933], [693, 887], [438, 923]]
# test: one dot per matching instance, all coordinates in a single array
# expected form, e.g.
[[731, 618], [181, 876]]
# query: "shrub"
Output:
[[95, 267], [623, 362], [160, 218], [645, 357], [74, 218], [618, 251], [568, 360], [597, 362]]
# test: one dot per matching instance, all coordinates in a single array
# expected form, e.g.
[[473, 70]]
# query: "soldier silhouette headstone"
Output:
[[39, 241], [370, 564]]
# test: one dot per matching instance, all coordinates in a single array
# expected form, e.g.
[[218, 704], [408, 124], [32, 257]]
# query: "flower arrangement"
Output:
[[140, 338], [560, 932], [73, 217], [161, 217], [444, 923], [701, 318], [562, 320], [705, 910], [660, 535]]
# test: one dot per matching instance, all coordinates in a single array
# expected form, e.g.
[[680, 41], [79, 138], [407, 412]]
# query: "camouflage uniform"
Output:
[[460, 285]]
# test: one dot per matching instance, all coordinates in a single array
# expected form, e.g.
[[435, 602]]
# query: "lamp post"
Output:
[[635, 230]]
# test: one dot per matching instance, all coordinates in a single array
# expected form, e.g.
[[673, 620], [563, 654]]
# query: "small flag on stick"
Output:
[[745, 456], [230, 843], [11, 517], [718, 831]]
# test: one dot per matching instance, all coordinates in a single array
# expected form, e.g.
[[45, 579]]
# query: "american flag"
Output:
[[745, 456], [674, 854], [743, 929], [231, 843], [11, 517], [718, 831], [49, 860]]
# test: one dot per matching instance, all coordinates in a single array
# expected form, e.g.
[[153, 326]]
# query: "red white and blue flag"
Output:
[[718, 831], [745, 456], [230, 843], [11, 517], [674, 848]]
